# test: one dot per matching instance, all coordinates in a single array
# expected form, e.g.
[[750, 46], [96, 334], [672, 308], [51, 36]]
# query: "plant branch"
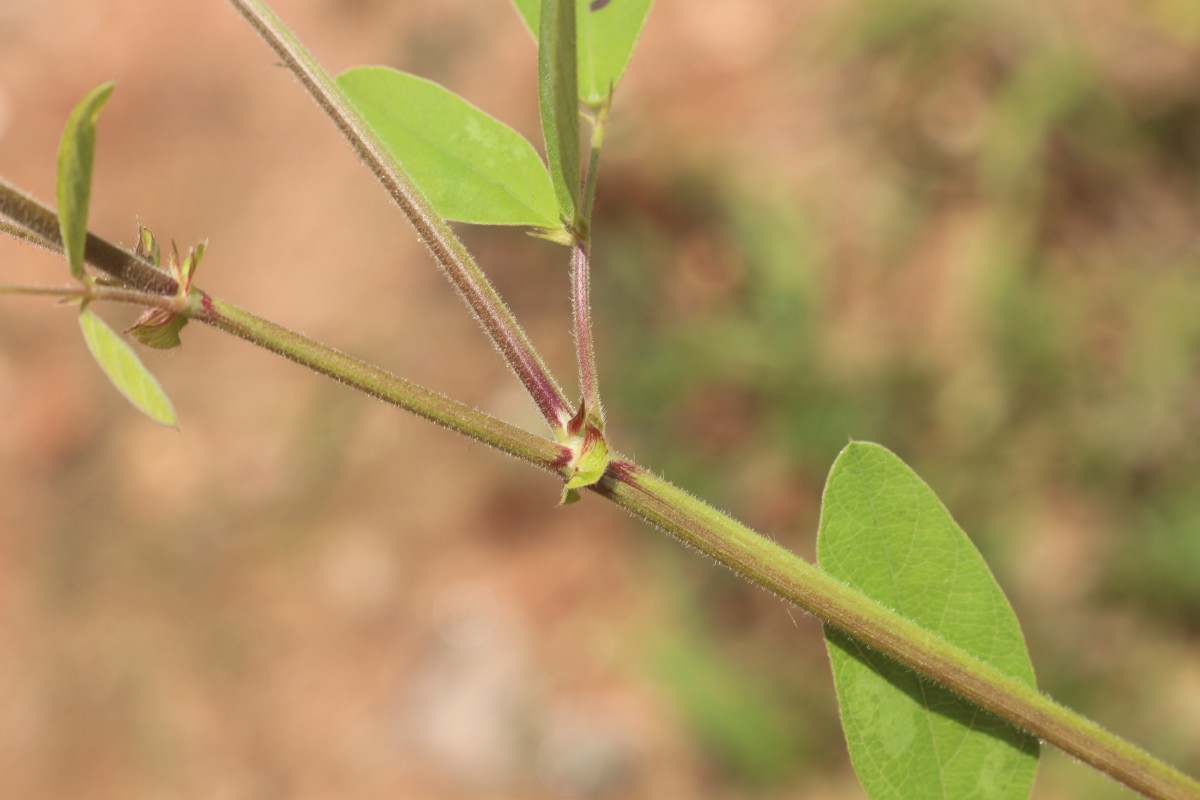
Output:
[[763, 562], [34, 222], [582, 317], [367, 378], [379, 383], [749, 554], [581, 251], [99, 291], [647, 496], [447, 249]]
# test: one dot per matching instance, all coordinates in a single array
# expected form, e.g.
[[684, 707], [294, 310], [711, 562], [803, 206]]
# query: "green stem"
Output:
[[30, 221], [447, 249], [98, 291], [589, 382], [38, 224], [383, 385], [756, 558], [763, 562], [599, 121], [581, 251]]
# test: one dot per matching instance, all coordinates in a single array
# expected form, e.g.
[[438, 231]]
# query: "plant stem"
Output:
[[98, 291], [32, 222], [585, 350], [447, 249], [581, 251], [763, 562], [749, 554], [379, 383], [599, 121], [39, 225]]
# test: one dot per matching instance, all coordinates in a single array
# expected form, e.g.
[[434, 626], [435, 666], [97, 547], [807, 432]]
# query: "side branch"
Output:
[[28, 220], [381, 384], [589, 381], [34, 222], [445, 246], [756, 558]]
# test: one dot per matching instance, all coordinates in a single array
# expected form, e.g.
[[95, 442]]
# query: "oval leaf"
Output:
[[125, 369], [607, 31], [558, 90], [76, 153], [470, 166], [885, 532]]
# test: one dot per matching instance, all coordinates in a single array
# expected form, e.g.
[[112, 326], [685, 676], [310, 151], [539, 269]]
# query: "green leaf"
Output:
[[470, 166], [125, 369], [75, 156], [885, 532], [558, 90], [607, 33]]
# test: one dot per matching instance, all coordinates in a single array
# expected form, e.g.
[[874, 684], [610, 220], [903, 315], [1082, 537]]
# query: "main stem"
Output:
[[763, 562], [756, 558], [741, 549]]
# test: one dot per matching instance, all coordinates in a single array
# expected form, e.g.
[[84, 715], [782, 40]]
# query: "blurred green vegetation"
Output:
[[1012, 307]]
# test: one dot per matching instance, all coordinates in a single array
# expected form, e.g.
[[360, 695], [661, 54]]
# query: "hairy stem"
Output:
[[98, 291], [763, 562], [581, 251], [447, 249], [30, 223], [582, 316], [381, 384], [746, 552], [38, 224]]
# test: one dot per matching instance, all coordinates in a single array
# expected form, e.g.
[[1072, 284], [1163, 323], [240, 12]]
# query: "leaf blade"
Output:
[[470, 166], [607, 35], [558, 94], [76, 156], [884, 531], [125, 370]]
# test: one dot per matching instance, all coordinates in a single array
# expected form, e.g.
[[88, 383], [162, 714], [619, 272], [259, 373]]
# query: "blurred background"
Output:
[[966, 229]]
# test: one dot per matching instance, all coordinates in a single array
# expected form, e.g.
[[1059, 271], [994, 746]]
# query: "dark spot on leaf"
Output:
[[596, 5]]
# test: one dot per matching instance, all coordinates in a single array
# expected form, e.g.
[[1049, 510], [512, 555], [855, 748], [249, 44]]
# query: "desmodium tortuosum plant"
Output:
[[936, 689]]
